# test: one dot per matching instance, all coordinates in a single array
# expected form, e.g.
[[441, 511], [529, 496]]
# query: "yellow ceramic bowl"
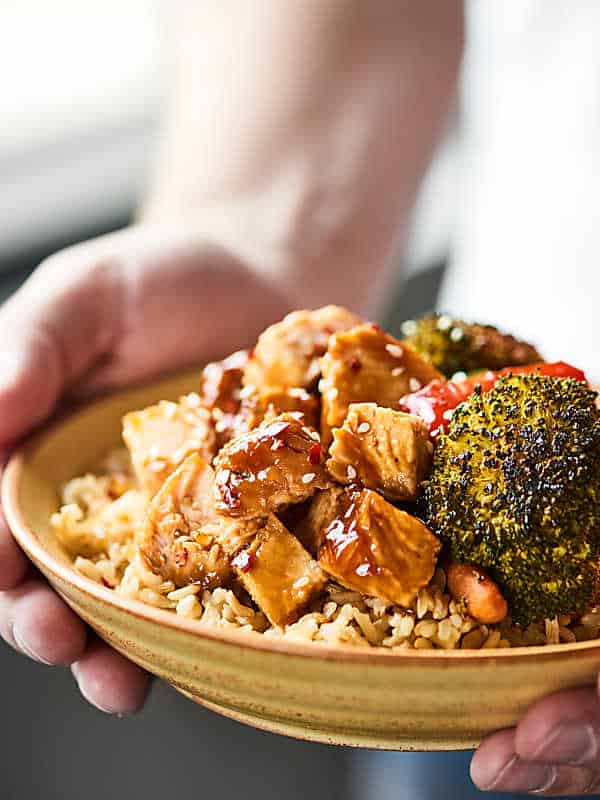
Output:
[[419, 700]]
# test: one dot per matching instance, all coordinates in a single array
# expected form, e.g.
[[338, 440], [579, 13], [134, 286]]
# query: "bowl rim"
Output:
[[28, 540]]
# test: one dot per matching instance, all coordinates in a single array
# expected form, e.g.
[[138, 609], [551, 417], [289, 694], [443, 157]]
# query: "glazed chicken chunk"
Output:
[[261, 472], [160, 437], [278, 573], [366, 365], [376, 549], [321, 511], [288, 353], [382, 449], [220, 387], [257, 407], [183, 538]]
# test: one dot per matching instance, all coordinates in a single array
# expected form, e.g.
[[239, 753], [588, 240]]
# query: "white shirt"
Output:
[[527, 250]]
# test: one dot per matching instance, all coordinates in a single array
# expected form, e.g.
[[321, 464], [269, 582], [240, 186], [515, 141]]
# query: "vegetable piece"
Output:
[[278, 573], [515, 488], [435, 402], [365, 365], [276, 464], [452, 345], [481, 596], [385, 450], [374, 548], [288, 353], [183, 539], [160, 438]]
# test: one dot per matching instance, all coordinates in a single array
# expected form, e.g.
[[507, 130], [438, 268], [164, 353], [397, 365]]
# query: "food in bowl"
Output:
[[332, 485]]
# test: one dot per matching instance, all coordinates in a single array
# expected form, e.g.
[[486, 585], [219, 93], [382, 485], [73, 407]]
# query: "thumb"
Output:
[[52, 331]]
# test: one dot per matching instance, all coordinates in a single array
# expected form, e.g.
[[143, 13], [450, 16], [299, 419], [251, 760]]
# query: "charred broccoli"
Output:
[[455, 346], [515, 487]]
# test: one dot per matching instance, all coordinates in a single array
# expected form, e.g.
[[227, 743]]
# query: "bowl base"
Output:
[[338, 738]]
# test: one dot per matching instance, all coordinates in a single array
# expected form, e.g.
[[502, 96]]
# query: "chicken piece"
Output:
[[278, 573], [160, 437], [366, 365], [376, 549], [260, 406], [220, 387], [382, 449], [278, 463], [322, 510], [183, 538], [288, 353]]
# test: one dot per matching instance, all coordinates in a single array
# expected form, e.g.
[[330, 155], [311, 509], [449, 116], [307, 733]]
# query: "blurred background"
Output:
[[79, 105]]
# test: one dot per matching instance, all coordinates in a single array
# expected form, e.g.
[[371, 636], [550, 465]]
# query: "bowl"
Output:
[[405, 700]]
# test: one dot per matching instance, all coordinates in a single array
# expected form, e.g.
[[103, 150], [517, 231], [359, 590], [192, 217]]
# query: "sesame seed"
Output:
[[414, 384], [395, 350], [397, 371], [298, 392], [364, 427], [303, 581], [350, 472], [277, 444], [247, 391], [444, 323], [222, 475], [314, 435], [448, 413], [456, 334], [262, 475], [333, 393], [459, 376], [309, 477], [193, 400], [409, 327]]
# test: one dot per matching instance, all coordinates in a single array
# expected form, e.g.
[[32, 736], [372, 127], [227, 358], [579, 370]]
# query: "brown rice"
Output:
[[97, 525]]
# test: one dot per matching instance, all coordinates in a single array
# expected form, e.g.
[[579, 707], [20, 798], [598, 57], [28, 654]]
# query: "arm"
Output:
[[318, 130], [294, 139]]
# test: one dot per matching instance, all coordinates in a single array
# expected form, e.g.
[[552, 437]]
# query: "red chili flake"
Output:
[[181, 557], [243, 561], [251, 354], [107, 583], [230, 496], [328, 329], [375, 327], [354, 364], [314, 454]]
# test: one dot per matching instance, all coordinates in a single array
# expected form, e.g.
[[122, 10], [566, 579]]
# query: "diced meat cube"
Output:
[[278, 573], [276, 464], [183, 538], [220, 387], [221, 382], [382, 449], [366, 365], [376, 549], [266, 405], [322, 509], [160, 437], [288, 353]]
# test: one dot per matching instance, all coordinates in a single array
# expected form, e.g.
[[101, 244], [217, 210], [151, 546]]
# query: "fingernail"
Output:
[[85, 693], [569, 743], [523, 776], [23, 645]]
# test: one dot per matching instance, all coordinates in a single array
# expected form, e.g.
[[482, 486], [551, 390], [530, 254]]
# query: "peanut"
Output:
[[472, 586]]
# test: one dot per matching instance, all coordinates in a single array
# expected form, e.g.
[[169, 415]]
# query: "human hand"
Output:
[[101, 314], [553, 752]]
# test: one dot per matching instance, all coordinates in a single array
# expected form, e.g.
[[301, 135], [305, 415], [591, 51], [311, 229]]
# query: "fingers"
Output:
[[13, 564], [53, 329], [554, 751], [109, 681], [36, 622]]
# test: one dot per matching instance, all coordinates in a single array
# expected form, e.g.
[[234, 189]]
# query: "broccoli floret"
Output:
[[515, 487], [455, 346]]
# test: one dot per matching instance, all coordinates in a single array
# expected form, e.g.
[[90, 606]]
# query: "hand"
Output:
[[553, 752], [105, 313]]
